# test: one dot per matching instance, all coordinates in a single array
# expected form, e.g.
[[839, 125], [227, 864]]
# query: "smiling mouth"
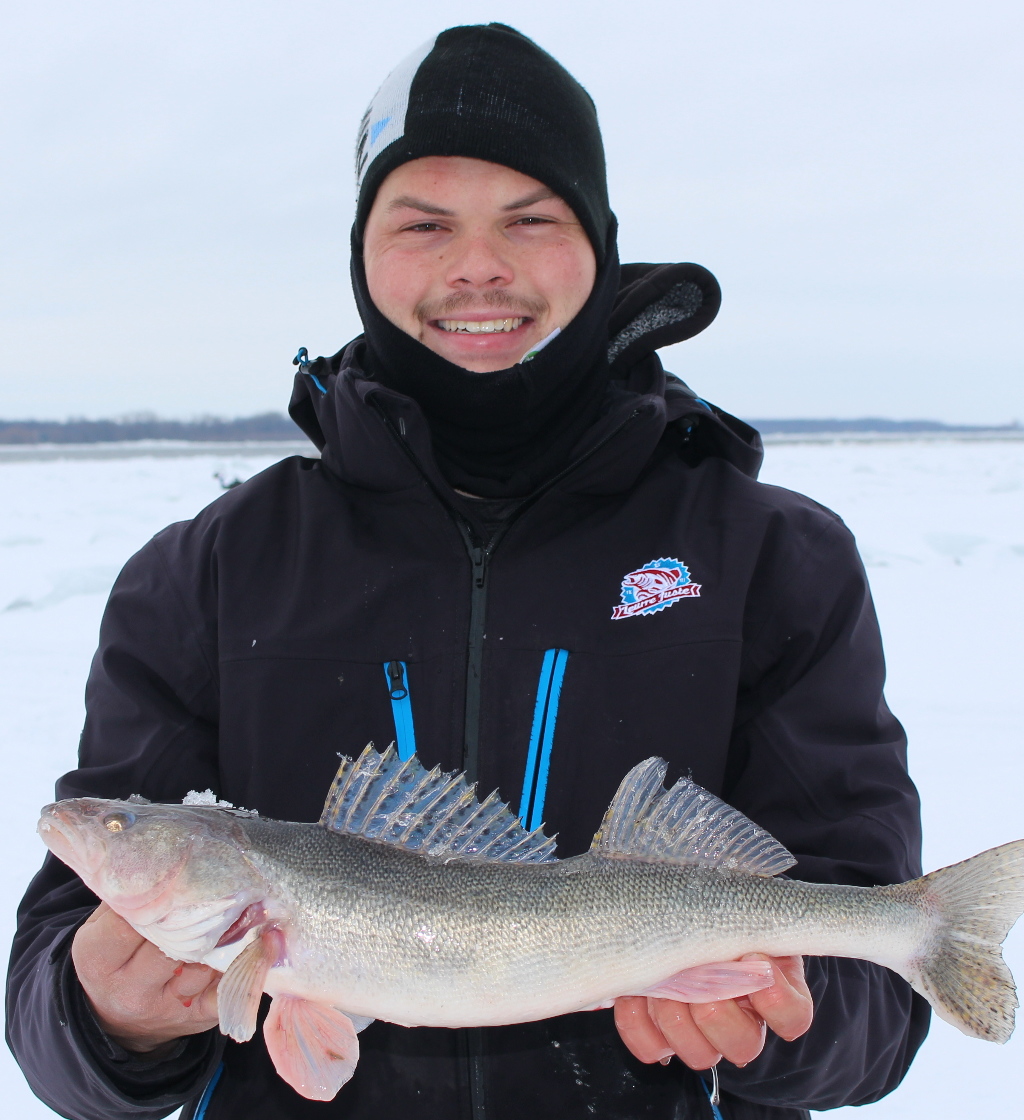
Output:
[[487, 326]]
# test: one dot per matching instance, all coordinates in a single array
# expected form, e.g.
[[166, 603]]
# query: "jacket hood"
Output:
[[657, 305]]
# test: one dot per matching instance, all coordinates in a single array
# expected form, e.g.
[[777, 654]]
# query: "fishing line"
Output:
[[714, 1097]]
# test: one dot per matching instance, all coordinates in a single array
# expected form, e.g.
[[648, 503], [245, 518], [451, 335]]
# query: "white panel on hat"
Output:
[[384, 120]]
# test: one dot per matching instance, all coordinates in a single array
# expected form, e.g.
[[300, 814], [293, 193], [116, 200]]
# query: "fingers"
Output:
[[104, 942], [140, 997], [703, 1033], [732, 1027], [205, 1004], [786, 1006], [637, 1030], [679, 1025], [189, 981], [100, 910], [656, 1029]]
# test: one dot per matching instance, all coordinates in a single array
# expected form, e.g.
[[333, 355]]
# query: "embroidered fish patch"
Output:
[[654, 587]]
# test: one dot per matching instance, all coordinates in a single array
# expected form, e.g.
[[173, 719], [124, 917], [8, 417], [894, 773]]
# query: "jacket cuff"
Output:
[[139, 1076]]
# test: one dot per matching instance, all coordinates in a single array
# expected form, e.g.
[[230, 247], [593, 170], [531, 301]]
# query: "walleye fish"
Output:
[[412, 901]]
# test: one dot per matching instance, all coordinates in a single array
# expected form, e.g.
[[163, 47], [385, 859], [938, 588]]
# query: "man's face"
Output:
[[477, 261]]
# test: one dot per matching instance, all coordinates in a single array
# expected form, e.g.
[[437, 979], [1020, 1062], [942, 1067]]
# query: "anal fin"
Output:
[[313, 1046], [708, 983], [240, 988]]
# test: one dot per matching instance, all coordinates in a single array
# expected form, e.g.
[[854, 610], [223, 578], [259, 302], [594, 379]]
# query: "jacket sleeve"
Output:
[[150, 729], [818, 759]]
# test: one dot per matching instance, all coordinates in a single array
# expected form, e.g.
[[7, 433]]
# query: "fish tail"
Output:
[[960, 969]]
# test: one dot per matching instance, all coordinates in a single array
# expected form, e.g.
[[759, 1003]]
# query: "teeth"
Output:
[[488, 326]]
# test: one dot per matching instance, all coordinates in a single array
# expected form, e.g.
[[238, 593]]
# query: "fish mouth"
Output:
[[72, 833], [62, 832]]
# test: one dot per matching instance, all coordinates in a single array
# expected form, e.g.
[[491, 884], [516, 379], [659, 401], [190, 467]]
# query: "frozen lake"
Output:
[[941, 528]]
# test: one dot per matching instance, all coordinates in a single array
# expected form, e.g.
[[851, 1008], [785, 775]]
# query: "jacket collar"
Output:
[[378, 439]]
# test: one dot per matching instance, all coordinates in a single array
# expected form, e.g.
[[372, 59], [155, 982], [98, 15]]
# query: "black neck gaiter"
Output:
[[500, 434]]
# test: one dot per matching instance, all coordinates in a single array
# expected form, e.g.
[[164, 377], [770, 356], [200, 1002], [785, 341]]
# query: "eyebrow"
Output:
[[531, 199], [407, 202]]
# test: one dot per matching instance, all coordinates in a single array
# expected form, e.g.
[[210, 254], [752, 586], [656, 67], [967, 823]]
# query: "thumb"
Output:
[[100, 910]]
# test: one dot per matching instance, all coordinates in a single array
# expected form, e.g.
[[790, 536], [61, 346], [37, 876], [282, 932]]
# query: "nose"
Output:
[[479, 261]]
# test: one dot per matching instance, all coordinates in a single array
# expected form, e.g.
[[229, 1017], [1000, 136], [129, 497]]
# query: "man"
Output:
[[525, 553]]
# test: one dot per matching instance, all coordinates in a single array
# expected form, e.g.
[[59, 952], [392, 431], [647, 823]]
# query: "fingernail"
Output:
[[666, 1056]]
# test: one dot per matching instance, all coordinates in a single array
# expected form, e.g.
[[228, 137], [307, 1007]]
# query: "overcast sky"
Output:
[[177, 188]]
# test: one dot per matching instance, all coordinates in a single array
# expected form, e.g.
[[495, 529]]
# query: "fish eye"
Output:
[[118, 822]]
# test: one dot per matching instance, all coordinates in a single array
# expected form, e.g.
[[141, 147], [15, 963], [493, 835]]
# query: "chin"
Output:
[[482, 363], [483, 367]]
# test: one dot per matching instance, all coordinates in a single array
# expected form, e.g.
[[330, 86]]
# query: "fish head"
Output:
[[175, 870]]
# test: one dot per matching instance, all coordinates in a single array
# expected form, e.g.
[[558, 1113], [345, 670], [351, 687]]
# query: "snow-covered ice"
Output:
[[941, 528]]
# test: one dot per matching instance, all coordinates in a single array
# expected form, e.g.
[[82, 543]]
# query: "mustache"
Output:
[[512, 306]]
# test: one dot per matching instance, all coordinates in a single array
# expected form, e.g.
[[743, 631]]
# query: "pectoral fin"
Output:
[[240, 988], [708, 983], [313, 1046]]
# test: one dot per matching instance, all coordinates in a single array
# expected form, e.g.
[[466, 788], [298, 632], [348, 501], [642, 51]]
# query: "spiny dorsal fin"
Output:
[[380, 797], [685, 824]]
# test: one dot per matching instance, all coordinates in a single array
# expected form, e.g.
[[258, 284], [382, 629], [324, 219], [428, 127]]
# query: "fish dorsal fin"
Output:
[[380, 797], [684, 824]]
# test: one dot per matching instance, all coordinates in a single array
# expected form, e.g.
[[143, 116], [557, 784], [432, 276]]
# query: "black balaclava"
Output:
[[488, 92]]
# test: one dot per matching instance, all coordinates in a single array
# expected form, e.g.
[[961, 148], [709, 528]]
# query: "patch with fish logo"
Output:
[[654, 587]]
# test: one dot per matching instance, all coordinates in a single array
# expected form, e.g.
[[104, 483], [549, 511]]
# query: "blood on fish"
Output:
[[251, 916]]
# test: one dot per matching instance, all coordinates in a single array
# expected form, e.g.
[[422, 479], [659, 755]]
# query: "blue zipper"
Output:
[[204, 1103], [401, 707], [542, 736]]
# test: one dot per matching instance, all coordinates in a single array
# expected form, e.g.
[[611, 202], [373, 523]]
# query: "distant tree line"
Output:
[[276, 426], [872, 424], [266, 426]]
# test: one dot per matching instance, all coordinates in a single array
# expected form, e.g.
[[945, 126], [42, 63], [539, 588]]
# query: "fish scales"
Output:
[[471, 942], [413, 902]]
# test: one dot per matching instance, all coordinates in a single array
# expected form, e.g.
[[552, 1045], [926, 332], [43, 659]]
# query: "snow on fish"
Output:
[[412, 901]]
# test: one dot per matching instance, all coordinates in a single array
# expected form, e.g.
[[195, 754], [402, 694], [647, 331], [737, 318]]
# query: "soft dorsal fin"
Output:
[[380, 797], [684, 824]]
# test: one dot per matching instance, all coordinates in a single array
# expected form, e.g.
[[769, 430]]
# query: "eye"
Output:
[[118, 822]]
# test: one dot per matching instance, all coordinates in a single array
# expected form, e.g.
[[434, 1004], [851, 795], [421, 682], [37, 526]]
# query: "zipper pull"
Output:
[[396, 681], [479, 558]]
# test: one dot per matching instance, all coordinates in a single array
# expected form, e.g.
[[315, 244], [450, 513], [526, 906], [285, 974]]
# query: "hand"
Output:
[[701, 1034], [141, 998]]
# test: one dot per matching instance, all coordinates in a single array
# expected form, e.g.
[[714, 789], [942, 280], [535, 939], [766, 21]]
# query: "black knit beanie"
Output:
[[488, 92]]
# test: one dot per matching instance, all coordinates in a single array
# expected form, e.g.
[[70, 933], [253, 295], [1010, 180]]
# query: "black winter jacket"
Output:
[[243, 650]]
